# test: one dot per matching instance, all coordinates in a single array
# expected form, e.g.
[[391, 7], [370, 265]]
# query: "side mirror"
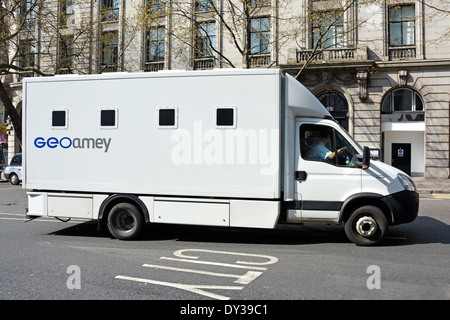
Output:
[[364, 160]]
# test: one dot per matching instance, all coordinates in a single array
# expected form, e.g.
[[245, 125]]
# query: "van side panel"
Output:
[[164, 136]]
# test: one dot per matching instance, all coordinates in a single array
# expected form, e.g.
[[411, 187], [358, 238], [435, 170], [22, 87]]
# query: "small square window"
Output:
[[226, 117], [59, 119], [108, 118], [167, 117]]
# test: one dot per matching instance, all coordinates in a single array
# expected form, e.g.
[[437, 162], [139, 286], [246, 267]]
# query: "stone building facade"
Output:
[[381, 67]]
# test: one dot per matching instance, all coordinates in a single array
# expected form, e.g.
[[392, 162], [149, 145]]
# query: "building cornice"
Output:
[[432, 63]]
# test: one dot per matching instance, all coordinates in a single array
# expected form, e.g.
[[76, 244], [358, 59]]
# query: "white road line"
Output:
[[13, 214], [214, 263], [17, 219], [248, 277], [188, 287], [271, 260]]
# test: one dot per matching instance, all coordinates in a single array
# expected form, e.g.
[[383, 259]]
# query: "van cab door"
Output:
[[325, 171]]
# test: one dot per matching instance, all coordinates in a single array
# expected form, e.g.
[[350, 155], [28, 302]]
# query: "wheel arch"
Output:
[[362, 199], [114, 199]]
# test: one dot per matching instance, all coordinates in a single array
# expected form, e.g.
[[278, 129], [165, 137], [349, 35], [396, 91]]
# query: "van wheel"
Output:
[[125, 221], [14, 179], [367, 225]]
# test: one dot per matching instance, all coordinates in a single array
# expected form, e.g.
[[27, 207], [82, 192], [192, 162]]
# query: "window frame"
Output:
[[110, 50], [205, 39], [333, 141], [157, 42], [401, 23], [391, 97], [261, 36], [156, 8], [332, 23], [116, 118], [110, 10], [175, 125], [222, 126], [204, 5], [66, 118]]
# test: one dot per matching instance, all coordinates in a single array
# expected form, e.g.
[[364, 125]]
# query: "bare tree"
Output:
[[246, 26], [44, 38], [328, 25]]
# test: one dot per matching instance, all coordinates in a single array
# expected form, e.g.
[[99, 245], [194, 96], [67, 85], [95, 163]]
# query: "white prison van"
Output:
[[231, 148]]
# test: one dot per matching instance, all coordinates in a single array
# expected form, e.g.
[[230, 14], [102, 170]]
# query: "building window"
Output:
[[28, 10], [260, 3], [155, 44], [27, 52], [402, 26], [204, 47], [109, 51], [65, 55], [156, 8], [402, 100], [260, 36], [336, 105], [327, 29], [205, 41], [67, 11], [110, 10], [204, 5]]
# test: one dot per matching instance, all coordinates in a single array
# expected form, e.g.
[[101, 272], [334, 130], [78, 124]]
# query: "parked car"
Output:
[[13, 172]]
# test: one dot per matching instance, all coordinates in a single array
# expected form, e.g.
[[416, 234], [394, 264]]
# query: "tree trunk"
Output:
[[12, 112]]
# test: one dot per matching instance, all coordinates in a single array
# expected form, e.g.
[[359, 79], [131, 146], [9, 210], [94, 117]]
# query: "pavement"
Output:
[[432, 186]]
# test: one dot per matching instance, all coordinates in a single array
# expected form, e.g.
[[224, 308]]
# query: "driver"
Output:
[[319, 152]]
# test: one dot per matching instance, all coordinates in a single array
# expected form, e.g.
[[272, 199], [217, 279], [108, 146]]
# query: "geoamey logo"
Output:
[[76, 143]]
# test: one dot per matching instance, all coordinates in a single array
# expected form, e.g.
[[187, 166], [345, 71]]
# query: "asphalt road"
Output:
[[49, 259]]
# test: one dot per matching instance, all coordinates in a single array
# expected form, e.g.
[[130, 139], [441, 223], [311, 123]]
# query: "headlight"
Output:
[[406, 181]]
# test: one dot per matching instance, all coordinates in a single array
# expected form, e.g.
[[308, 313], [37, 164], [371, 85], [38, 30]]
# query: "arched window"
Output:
[[403, 99], [336, 105]]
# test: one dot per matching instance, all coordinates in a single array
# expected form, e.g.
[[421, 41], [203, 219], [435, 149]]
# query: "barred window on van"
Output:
[[108, 118], [59, 119], [167, 117], [225, 117]]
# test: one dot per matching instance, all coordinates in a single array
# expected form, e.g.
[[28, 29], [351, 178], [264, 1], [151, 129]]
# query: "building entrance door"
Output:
[[401, 157]]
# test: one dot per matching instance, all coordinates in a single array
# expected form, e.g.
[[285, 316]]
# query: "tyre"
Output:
[[14, 179], [125, 222], [367, 225]]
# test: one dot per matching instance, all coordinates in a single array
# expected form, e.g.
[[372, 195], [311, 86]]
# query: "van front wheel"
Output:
[[125, 221], [367, 225]]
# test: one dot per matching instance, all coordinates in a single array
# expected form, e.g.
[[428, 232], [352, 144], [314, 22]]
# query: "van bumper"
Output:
[[404, 206]]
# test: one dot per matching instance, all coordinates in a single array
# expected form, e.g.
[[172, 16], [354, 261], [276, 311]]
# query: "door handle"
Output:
[[301, 175]]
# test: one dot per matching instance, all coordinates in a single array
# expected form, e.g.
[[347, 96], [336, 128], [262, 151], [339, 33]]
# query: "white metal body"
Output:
[[191, 171]]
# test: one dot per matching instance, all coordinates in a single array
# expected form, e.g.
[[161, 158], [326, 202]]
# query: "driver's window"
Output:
[[324, 144], [317, 143], [346, 154]]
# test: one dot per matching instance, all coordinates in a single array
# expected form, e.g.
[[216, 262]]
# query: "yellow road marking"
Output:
[[442, 196]]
